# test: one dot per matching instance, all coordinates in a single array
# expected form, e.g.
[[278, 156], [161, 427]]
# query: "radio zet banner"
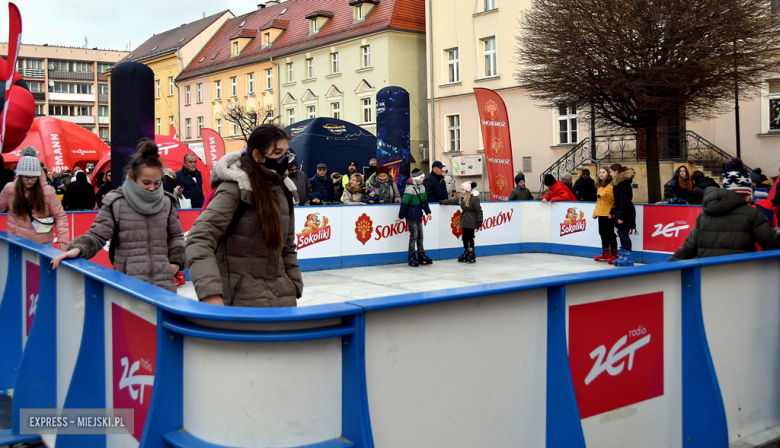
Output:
[[616, 352], [666, 227], [494, 120]]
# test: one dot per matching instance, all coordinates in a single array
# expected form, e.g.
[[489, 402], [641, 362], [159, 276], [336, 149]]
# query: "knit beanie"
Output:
[[738, 180], [28, 165], [755, 178], [519, 177], [471, 187], [417, 174], [549, 180]]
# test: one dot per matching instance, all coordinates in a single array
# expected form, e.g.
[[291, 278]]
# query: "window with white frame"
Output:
[[365, 52], [367, 113], [290, 117], [774, 106], [188, 127], [335, 110], [491, 64], [170, 86], [290, 72], [358, 12], [453, 133], [250, 82], [233, 87], [567, 124], [157, 88], [488, 5], [334, 63], [159, 126], [187, 96], [102, 111], [269, 79], [200, 92], [313, 26], [102, 89], [309, 68], [312, 111], [35, 86], [219, 126], [200, 125], [218, 89], [235, 128], [104, 133], [40, 110], [267, 39], [453, 66], [69, 87], [73, 111], [235, 48]]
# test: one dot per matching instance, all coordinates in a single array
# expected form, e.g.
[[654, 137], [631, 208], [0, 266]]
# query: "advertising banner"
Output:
[[666, 227], [573, 224], [318, 231], [134, 342], [213, 147], [500, 225], [616, 352], [392, 132], [32, 284], [371, 229], [498, 143]]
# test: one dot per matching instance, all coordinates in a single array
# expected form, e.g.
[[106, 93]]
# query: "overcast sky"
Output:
[[109, 24]]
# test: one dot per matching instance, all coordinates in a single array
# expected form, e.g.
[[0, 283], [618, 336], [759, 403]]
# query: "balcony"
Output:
[[81, 76], [78, 119], [39, 96], [102, 120], [81, 97], [102, 98], [102, 77], [32, 73]]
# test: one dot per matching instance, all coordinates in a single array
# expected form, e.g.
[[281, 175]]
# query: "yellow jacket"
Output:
[[605, 202]]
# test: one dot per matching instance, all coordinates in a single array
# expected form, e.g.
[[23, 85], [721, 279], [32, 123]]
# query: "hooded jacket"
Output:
[[80, 195], [606, 201], [243, 270], [623, 193], [560, 192], [414, 202], [353, 195], [22, 226], [585, 189], [697, 195], [728, 225]]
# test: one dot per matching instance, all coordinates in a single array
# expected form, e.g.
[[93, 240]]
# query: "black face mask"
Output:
[[273, 165]]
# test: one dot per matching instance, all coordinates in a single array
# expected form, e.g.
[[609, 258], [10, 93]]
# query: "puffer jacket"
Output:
[[21, 225], [471, 213], [147, 244], [697, 195], [605, 201], [388, 189], [560, 192], [520, 195], [243, 270], [673, 189], [623, 192], [353, 195], [727, 225]]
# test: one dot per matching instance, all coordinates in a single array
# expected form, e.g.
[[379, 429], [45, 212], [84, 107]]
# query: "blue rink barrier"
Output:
[[671, 354]]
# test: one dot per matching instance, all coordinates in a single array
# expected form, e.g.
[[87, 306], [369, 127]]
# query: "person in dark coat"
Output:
[[558, 190], [585, 187], [435, 185], [80, 195], [322, 184], [105, 187], [169, 181], [728, 225], [520, 193], [678, 189], [623, 210], [700, 183], [301, 183], [6, 175], [189, 181]]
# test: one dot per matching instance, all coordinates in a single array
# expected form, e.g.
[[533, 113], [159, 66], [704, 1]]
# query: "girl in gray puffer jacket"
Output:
[[470, 218], [142, 218]]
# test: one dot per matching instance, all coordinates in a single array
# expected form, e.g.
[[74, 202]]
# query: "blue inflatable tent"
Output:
[[332, 142]]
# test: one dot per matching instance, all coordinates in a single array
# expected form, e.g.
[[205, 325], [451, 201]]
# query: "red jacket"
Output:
[[560, 192]]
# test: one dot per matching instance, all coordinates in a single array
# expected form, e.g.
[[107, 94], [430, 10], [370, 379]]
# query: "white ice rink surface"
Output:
[[339, 285]]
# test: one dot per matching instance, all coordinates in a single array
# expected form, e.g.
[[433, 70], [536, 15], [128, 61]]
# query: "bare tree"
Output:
[[247, 119], [639, 62]]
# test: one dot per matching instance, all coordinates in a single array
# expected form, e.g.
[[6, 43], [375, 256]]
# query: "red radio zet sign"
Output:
[[616, 352], [666, 227]]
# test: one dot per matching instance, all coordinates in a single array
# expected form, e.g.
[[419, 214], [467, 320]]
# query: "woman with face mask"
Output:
[[242, 249]]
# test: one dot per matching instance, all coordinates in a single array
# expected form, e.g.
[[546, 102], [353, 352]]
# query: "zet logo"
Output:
[[671, 230], [491, 109], [496, 146], [363, 228], [574, 222], [455, 225], [32, 289], [335, 129], [314, 231]]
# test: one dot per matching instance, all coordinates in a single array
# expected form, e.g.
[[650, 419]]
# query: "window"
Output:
[[102, 111], [187, 96], [290, 72], [250, 82], [218, 90], [170, 121], [334, 63], [367, 115], [312, 111], [104, 134], [366, 53], [36, 64], [313, 26], [310, 68], [235, 48], [359, 12], [453, 133], [200, 125], [157, 88], [39, 110], [72, 111], [267, 39], [269, 79], [290, 117], [219, 126], [103, 67], [159, 126], [102, 89], [567, 123], [200, 92], [35, 86], [233, 87], [774, 106], [335, 110], [70, 87], [453, 66], [491, 68], [170, 86], [235, 128], [489, 5], [188, 127], [67, 66]]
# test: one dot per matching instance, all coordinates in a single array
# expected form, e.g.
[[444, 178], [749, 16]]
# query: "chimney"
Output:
[[260, 6]]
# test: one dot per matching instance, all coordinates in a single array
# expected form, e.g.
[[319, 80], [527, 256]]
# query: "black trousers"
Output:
[[468, 238], [625, 241], [607, 232]]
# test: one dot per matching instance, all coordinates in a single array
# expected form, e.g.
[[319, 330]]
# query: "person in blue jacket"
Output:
[[435, 185], [189, 182], [414, 205], [322, 184]]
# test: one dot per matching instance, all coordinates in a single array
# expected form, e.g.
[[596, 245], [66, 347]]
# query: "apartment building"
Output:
[[69, 83]]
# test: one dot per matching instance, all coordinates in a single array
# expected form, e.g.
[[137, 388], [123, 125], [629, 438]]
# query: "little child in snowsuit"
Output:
[[370, 197], [413, 203], [470, 218]]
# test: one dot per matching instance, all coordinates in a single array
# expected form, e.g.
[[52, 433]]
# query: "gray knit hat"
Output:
[[28, 165]]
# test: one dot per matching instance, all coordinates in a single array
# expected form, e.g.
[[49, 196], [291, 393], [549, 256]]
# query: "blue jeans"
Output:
[[625, 241]]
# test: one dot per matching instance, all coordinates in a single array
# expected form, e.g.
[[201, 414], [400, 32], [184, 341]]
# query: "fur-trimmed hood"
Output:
[[229, 169], [624, 176]]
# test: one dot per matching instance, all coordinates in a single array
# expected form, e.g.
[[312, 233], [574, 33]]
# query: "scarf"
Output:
[[384, 189], [143, 201]]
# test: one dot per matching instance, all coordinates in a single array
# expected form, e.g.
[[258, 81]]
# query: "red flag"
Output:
[[213, 146], [14, 40], [498, 144], [172, 132]]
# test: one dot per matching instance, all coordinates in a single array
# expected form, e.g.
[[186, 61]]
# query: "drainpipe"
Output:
[[432, 143], [178, 98], [278, 92]]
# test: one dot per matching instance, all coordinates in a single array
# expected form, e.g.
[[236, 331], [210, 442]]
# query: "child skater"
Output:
[[470, 218], [412, 205]]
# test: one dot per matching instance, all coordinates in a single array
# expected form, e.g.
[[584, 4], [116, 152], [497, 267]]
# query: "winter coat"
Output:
[[353, 195], [673, 189], [388, 189], [147, 244], [303, 186], [323, 186], [22, 225], [414, 202], [368, 199], [471, 213], [169, 184], [101, 193], [6, 177], [243, 270], [435, 188], [560, 192], [193, 186], [697, 195], [623, 192], [79, 196], [585, 189], [606, 200], [520, 195], [727, 225]]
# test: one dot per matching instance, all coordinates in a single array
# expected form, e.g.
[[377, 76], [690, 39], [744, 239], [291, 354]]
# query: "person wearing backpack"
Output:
[[242, 248], [140, 220]]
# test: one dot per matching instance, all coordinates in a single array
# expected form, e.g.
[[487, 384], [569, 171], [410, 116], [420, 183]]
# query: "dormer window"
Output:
[[313, 26], [318, 19], [235, 51], [266, 39], [240, 40], [359, 12], [361, 8]]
